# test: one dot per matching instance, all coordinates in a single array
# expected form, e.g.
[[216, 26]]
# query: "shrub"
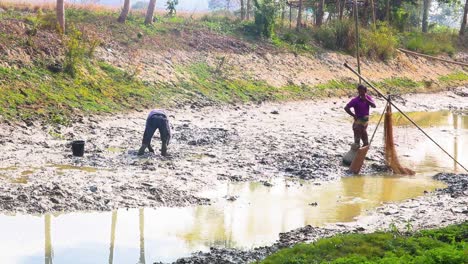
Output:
[[432, 43], [338, 35], [265, 16], [379, 42]]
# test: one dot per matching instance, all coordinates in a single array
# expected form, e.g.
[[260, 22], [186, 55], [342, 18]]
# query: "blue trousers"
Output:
[[153, 123]]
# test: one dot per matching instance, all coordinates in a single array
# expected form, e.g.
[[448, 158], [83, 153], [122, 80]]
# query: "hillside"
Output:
[[103, 66]]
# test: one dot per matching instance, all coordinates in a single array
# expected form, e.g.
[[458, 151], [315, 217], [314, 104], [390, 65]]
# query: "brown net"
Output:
[[390, 153]]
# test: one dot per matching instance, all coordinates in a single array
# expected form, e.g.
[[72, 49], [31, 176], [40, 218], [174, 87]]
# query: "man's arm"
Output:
[[348, 110], [370, 101]]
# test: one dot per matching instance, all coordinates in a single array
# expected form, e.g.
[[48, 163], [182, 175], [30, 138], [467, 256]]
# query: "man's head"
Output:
[[362, 90]]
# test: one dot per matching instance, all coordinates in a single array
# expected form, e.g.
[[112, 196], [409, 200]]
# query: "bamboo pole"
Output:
[[432, 57]]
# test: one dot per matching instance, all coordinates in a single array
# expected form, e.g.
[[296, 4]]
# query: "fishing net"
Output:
[[391, 157]]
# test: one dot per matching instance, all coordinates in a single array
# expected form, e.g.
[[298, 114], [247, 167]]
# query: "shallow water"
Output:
[[164, 234], [255, 217], [448, 129]]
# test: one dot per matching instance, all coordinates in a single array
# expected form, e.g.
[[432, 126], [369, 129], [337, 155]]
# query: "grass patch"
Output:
[[430, 43], [445, 245], [454, 78], [34, 92]]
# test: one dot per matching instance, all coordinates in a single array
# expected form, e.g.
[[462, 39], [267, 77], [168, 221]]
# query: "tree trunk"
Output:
[[342, 8], [387, 10], [299, 16], [124, 13], [365, 13], [61, 15], [319, 21], [426, 5], [248, 9], [465, 17], [373, 11], [242, 10], [150, 12], [338, 7]]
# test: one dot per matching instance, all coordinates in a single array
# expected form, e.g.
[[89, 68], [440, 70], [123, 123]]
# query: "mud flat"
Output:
[[240, 143]]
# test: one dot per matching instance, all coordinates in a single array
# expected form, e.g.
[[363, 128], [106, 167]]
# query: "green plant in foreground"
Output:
[[445, 246]]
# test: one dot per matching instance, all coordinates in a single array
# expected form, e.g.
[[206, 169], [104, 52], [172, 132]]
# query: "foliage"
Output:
[[337, 35], [140, 5], [431, 43], [265, 17], [455, 77], [171, 7], [99, 87], [445, 245], [380, 42], [301, 41]]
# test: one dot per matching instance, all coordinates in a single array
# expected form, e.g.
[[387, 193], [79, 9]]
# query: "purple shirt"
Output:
[[361, 107]]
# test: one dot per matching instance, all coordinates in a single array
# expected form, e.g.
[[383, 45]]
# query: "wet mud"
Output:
[[301, 140]]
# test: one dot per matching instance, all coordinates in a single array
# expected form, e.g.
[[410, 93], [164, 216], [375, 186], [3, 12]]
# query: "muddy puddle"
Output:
[[448, 129], [250, 214], [242, 214]]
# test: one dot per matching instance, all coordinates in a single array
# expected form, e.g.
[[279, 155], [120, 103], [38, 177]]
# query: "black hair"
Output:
[[360, 86]]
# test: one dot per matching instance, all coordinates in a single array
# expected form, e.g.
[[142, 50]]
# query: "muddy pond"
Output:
[[249, 214]]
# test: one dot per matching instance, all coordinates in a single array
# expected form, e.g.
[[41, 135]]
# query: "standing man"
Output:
[[361, 105], [157, 119]]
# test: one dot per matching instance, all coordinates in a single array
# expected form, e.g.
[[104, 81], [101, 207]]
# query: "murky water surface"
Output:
[[254, 217]]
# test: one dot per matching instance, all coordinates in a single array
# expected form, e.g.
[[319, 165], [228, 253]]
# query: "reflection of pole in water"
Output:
[[142, 236], [112, 242], [48, 241], [455, 141]]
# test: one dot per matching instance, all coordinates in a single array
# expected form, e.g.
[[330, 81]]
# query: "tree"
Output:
[[171, 7], [465, 17], [124, 13], [320, 13], [150, 12], [61, 15], [242, 3], [140, 5], [426, 5], [265, 16], [249, 9], [299, 16]]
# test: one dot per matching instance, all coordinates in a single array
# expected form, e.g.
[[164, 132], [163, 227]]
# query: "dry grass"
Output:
[[33, 6], [30, 5]]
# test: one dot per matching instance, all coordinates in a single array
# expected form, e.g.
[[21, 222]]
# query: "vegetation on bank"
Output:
[[447, 245], [97, 87], [60, 76]]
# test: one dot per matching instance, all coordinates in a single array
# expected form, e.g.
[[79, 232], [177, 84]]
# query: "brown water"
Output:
[[256, 218]]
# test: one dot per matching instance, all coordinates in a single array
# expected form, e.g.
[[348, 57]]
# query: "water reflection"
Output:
[[450, 130], [165, 234]]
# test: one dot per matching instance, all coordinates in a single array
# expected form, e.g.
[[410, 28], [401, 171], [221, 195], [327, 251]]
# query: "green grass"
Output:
[[430, 43], [35, 92], [454, 78], [446, 245]]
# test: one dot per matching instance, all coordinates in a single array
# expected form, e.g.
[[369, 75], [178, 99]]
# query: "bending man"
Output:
[[157, 119], [361, 104]]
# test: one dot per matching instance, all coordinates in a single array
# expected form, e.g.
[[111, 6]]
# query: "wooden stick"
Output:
[[432, 57]]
